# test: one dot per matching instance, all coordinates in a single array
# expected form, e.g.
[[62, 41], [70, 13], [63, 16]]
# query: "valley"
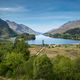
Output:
[[69, 30], [39, 39], [28, 55]]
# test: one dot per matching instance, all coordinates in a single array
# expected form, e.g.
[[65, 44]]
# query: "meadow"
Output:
[[69, 50]]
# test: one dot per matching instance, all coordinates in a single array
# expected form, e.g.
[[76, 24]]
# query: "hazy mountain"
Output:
[[5, 30], [67, 26], [20, 28]]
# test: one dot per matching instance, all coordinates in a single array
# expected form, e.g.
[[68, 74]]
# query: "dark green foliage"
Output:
[[5, 47], [21, 47], [26, 36], [42, 68], [69, 34], [13, 58], [28, 67], [11, 64], [17, 64], [66, 36]]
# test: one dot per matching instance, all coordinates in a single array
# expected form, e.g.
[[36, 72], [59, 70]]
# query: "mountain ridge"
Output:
[[65, 27], [20, 28], [5, 30]]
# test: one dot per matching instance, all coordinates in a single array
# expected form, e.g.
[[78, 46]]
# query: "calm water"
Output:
[[48, 40]]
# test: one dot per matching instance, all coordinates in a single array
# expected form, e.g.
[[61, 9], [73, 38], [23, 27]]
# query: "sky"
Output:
[[40, 15]]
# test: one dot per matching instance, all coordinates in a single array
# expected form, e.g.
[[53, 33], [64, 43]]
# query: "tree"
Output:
[[42, 68], [21, 47]]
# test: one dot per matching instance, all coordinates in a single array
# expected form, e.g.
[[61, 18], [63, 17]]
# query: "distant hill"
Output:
[[73, 31], [5, 30], [67, 26], [20, 28]]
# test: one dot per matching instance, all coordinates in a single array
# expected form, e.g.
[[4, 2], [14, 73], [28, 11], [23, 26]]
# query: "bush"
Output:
[[28, 68], [11, 65], [62, 68], [77, 68], [42, 68], [21, 47]]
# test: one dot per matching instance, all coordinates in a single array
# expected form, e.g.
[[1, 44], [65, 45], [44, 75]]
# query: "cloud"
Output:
[[12, 9]]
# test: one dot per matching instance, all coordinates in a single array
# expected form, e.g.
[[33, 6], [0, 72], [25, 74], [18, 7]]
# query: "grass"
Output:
[[69, 50]]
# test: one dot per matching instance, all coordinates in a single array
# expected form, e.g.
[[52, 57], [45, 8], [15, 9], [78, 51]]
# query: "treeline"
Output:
[[17, 64], [26, 36], [69, 34], [65, 36]]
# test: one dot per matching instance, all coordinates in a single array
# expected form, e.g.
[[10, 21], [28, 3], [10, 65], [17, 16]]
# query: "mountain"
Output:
[[73, 31], [20, 28], [5, 31], [67, 26]]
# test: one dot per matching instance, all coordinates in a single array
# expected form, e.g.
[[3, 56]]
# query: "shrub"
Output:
[[62, 68], [21, 47], [28, 68], [42, 68], [77, 68], [11, 65]]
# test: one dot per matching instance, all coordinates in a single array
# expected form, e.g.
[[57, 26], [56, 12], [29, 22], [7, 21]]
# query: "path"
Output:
[[40, 50]]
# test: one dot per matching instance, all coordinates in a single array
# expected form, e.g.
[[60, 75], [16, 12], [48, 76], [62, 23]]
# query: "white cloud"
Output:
[[12, 9]]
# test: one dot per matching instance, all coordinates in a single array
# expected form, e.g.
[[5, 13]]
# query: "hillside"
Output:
[[73, 31], [5, 31], [67, 26], [20, 28]]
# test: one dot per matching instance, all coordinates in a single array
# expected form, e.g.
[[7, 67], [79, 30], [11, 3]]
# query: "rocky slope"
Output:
[[20, 28], [67, 26], [5, 30]]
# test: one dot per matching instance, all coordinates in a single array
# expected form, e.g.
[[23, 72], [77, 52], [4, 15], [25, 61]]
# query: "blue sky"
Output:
[[40, 15]]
